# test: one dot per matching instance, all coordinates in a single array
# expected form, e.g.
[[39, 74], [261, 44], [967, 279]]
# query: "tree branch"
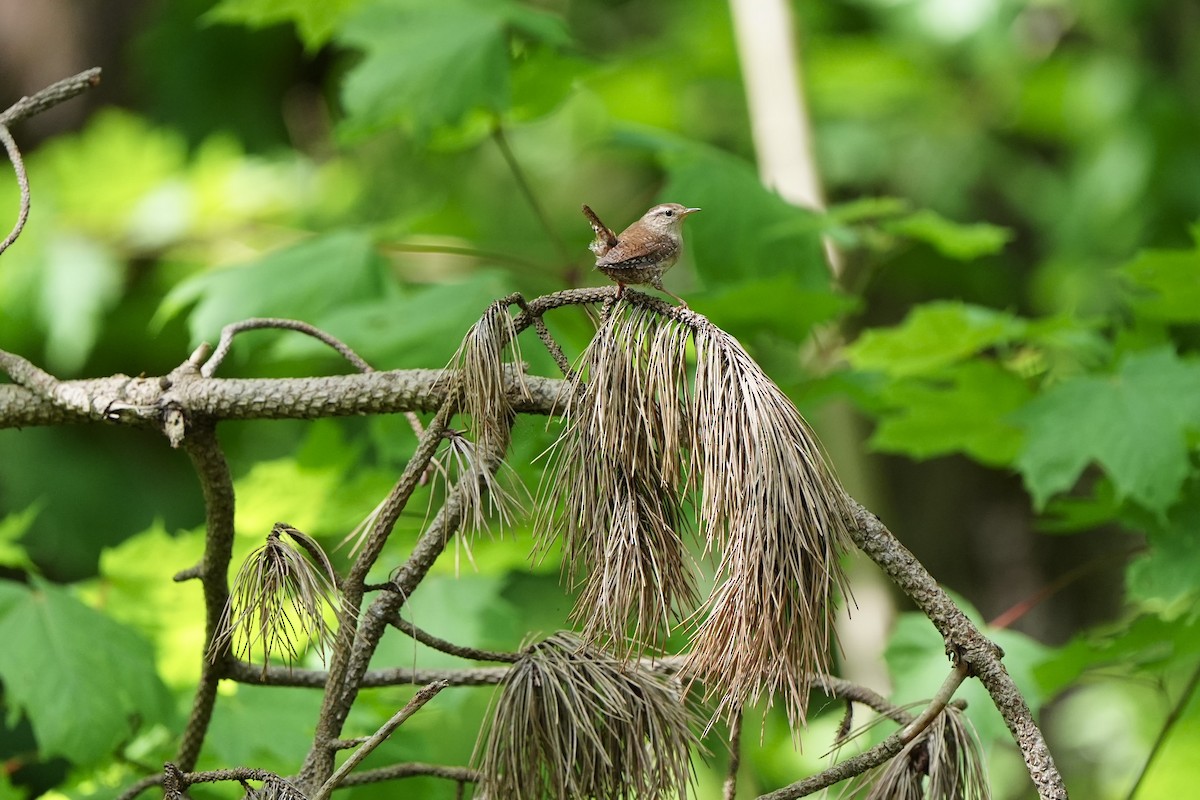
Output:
[[881, 752], [981, 654], [217, 483], [38, 398], [254, 674], [27, 107], [441, 645], [387, 729]]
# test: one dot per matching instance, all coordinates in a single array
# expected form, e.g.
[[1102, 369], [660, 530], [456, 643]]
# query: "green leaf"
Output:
[[436, 318], [1133, 424], [137, 590], [951, 239], [775, 305], [315, 20], [432, 64], [867, 208], [268, 726], [86, 682], [12, 528], [962, 408], [744, 231], [1173, 771], [82, 281], [1166, 284], [1145, 643], [1164, 578], [305, 281], [100, 176], [932, 336]]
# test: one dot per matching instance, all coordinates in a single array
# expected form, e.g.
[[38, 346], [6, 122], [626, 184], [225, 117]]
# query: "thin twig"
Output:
[[140, 786], [881, 752], [735, 756], [14, 155], [217, 483], [343, 676], [387, 729], [1185, 698], [527, 191], [257, 323], [441, 645], [51, 96], [27, 107], [411, 770], [467, 252], [552, 345], [253, 674]]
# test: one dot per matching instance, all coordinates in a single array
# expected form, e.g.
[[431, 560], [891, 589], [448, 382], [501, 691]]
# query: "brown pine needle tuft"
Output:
[[776, 515], [572, 722], [945, 762], [614, 490], [489, 492], [278, 602], [485, 375]]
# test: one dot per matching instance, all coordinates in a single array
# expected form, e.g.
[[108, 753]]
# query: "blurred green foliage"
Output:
[[1015, 189]]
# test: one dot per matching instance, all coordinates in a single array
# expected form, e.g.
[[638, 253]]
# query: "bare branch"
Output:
[[981, 654], [38, 398], [411, 770], [881, 752], [735, 756], [245, 672], [51, 96], [217, 482], [387, 729], [27, 107], [258, 323], [441, 645], [14, 155]]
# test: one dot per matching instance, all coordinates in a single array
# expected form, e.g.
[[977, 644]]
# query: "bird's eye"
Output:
[[669, 213]]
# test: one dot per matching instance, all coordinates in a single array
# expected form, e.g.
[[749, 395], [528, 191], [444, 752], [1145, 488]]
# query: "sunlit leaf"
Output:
[[304, 281], [137, 590], [933, 335], [12, 528], [315, 20], [952, 239], [962, 408], [1133, 424], [429, 64], [81, 282], [63, 662], [1166, 284]]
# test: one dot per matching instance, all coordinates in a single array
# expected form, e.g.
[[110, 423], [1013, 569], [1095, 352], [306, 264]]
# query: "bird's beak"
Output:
[[687, 211]]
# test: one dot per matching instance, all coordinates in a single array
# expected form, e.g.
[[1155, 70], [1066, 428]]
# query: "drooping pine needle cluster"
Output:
[[616, 487], [573, 721], [280, 601], [944, 763], [641, 441]]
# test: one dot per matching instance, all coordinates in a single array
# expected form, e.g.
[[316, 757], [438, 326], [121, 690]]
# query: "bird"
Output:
[[644, 250]]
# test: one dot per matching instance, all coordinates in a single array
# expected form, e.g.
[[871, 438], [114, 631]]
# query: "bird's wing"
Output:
[[605, 238]]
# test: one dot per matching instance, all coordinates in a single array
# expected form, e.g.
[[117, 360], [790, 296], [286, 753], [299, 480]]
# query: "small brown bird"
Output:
[[644, 250]]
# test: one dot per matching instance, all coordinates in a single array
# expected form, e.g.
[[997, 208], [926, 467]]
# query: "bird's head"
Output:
[[667, 217]]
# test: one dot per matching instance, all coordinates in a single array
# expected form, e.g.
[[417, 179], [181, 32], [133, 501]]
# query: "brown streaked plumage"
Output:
[[644, 250]]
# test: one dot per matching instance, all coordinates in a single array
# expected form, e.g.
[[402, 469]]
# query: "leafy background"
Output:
[[1007, 372]]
